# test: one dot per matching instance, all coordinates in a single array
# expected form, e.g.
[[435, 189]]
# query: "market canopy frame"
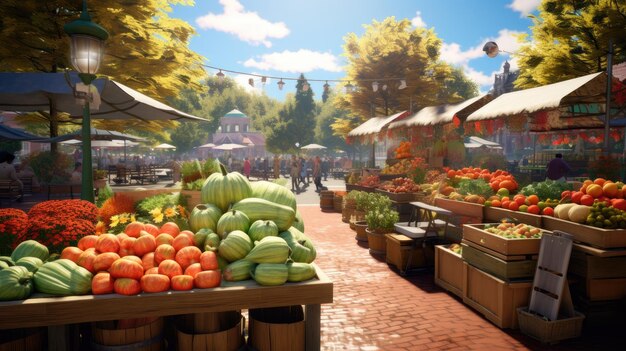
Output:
[[442, 114]]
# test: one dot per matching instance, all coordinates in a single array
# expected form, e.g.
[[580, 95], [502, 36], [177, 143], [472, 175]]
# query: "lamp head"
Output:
[[491, 49], [87, 43]]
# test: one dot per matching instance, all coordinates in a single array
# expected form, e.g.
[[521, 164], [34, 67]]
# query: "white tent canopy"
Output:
[[33, 91], [375, 124], [585, 89], [165, 146], [206, 146], [229, 146], [313, 147], [433, 115]]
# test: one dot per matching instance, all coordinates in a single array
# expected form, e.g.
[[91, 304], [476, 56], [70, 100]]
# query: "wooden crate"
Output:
[[502, 245], [450, 270], [506, 270], [496, 299], [384, 177], [605, 289], [398, 197], [496, 214], [598, 237], [398, 248], [460, 207], [593, 267]]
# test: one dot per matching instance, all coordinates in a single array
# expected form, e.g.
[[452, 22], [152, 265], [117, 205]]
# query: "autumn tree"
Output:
[[147, 50], [388, 52], [571, 39], [324, 133]]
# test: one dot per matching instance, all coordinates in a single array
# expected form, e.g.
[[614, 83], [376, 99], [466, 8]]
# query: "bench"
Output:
[[63, 190], [9, 189], [144, 174]]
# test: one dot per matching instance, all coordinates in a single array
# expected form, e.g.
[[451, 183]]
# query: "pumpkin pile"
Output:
[[241, 231]]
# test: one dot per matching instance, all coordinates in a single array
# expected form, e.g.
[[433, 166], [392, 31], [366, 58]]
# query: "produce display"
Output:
[[234, 237], [400, 185], [403, 150], [514, 231], [370, 181]]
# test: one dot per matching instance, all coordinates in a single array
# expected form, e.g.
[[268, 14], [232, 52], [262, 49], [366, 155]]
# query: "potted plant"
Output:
[[99, 178], [380, 221], [368, 202], [349, 205]]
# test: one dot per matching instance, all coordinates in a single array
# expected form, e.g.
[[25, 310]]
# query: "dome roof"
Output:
[[235, 113]]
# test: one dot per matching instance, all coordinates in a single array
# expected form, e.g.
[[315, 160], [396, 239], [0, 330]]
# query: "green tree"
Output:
[[147, 50], [390, 51], [324, 133], [570, 39]]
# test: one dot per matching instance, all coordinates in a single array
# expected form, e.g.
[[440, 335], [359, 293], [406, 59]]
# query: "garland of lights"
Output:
[[349, 87]]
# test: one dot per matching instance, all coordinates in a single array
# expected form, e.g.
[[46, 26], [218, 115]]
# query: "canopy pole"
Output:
[[609, 73]]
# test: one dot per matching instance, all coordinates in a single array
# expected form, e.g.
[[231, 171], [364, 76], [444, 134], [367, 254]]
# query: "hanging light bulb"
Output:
[[326, 87], [375, 86], [349, 87], [263, 80], [402, 84], [305, 86], [281, 84], [251, 82], [220, 76], [384, 87]]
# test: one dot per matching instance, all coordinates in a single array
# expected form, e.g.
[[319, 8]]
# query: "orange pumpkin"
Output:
[[124, 268], [154, 283], [102, 283], [186, 232], [87, 242], [103, 261], [164, 252], [170, 228], [152, 229], [182, 282], [147, 261], [86, 259], [107, 243], [182, 241], [193, 269], [144, 244], [121, 236], [71, 253], [208, 279], [133, 258], [127, 286], [153, 270], [187, 255], [126, 246], [133, 228], [208, 261], [170, 268], [164, 238]]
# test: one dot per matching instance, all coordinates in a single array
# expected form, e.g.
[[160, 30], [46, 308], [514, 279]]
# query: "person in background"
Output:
[[557, 169], [7, 171], [26, 171], [77, 173], [247, 167], [276, 168], [304, 165], [325, 168], [295, 174], [317, 174]]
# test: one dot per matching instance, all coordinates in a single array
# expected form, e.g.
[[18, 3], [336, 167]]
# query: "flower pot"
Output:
[[377, 242], [360, 227], [348, 209]]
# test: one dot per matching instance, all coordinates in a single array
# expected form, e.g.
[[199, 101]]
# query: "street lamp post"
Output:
[[87, 46]]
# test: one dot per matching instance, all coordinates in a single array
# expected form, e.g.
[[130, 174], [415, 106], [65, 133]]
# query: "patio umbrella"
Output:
[[229, 147], [165, 146], [96, 134], [206, 146], [313, 147], [12, 134]]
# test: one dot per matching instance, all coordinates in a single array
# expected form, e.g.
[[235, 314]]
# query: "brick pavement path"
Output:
[[377, 309]]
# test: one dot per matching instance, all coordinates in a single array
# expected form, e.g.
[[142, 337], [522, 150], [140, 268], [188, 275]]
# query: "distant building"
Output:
[[504, 81], [235, 128]]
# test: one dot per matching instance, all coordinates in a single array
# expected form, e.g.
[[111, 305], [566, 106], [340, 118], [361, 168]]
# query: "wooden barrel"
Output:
[[338, 200], [327, 200], [142, 334], [23, 339], [348, 207], [277, 329], [360, 227], [227, 337]]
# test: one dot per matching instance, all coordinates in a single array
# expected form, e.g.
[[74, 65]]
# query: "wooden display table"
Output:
[[62, 311]]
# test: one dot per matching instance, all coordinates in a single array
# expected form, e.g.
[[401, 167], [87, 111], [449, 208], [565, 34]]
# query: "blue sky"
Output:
[[284, 38]]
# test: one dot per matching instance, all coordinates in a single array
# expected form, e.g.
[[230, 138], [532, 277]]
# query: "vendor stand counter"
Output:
[[59, 312]]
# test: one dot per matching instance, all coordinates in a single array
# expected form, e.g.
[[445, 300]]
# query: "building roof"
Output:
[[376, 124], [235, 113], [256, 139], [433, 115]]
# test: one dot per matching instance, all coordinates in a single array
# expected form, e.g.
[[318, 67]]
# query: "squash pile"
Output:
[[242, 231]]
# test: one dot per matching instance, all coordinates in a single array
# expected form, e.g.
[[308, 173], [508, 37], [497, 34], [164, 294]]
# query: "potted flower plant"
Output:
[[368, 202], [380, 220]]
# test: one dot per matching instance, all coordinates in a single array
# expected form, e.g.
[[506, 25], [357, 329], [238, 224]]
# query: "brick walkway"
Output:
[[377, 309]]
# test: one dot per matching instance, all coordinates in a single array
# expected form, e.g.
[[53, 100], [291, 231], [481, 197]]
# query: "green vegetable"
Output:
[[548, 189], [475, 187]]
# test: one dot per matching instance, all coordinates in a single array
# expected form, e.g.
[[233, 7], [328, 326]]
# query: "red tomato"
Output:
[[548, 211], [86, 259], [208, 261], [170, 228], [144, 244], [170, 268], [87, 241], [193, 269], [566, 193], [505, 204], [182, 241], [71, 253], [133, 228], [103, 261], [102, 283], [208, 279], [124, 268], [534, 209], [182, 282], [154, 283], [514, 205], [127, 286], [576, 195], [147, 261], [586, 200], [533, 199], [164, 252], [187, 255]]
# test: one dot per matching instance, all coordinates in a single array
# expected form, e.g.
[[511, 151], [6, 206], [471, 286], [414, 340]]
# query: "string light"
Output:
[[375, 86], [251, 82], [349, 87], [402, 84], [281, 84], [220, 76], [305, 86], [326, 87]]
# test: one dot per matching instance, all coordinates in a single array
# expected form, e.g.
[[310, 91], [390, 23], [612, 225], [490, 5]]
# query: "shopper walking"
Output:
[[317, 174], [294, 173]]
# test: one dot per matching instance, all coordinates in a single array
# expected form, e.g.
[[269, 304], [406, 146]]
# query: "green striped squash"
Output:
[[223, 189]]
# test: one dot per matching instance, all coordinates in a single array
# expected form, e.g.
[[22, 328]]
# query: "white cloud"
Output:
[[301, 61], [524, 7], [247, 26], [417, 21]]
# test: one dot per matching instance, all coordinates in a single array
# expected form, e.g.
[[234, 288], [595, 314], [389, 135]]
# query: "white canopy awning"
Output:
[[585, 89], [433, 115], [375, 124]]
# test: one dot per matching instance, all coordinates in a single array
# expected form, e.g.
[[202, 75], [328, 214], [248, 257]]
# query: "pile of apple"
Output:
[[145, 258], [514, 231], [612, 193], [497, 179], [530, 204]]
